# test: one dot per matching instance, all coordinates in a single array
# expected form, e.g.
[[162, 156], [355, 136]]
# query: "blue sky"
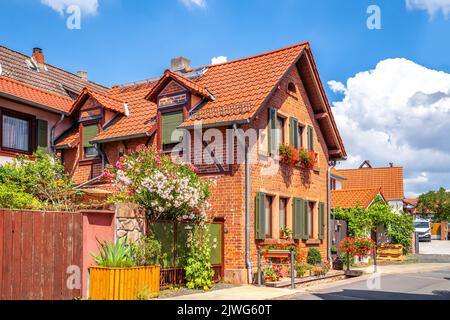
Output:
[[122, 41]]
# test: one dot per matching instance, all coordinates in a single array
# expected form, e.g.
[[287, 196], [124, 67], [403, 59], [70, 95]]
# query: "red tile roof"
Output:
[[69, 140], [352, 198], [45, 99], [390, 180]]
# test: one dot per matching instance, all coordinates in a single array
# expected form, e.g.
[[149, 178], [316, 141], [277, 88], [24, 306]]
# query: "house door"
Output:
[[217, 250]]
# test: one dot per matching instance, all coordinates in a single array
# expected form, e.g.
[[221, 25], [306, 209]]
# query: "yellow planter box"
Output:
[[123, 283]]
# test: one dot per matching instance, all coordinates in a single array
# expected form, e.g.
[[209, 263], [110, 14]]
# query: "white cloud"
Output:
[[431, 6], [219, 59], [399, 112], [88, 7], [194, 3]]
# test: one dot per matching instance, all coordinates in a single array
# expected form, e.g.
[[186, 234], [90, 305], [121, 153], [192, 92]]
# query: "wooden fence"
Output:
[[36, 250]]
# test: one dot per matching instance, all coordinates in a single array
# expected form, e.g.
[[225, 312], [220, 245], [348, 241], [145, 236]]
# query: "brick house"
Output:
[[35, 100], [278, 95]]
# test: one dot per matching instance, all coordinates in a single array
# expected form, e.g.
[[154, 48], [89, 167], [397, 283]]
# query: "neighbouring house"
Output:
[[352, 198], [388, 179], [267, 100], [410, 205], [35, 102]]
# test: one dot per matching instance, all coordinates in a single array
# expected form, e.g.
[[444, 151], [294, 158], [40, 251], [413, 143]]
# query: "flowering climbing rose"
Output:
[[167, 189]]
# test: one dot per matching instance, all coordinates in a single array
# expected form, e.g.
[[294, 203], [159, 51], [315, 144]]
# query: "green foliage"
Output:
[[314, 256], [198, 268], [169, 190], [40, 178], [145, 294], [399, 225], [146, 252], [285, 233], [436, 203], [116, 255]]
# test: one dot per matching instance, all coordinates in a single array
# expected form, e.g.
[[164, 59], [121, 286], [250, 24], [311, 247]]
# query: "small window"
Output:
[[170, 134], [292, 88], [268, 216], [280, 131], [282, 213], [89, 133], [16, 133], [301, 130]]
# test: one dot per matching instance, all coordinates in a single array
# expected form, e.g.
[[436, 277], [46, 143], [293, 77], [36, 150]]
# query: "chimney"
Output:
[[391, 164], [38, 55], [180, 64], [83, 75]]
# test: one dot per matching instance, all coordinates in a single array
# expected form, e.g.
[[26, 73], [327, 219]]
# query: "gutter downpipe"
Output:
[[330, 229], [248, 261], [52, 131]]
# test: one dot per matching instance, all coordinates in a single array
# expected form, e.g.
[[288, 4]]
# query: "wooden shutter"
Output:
[[310, 138], [170, 122], [293, 133], [321, 221], [305, 216], [297, 214], [89, 133], [272, 133], [260, 221], [42, 134]]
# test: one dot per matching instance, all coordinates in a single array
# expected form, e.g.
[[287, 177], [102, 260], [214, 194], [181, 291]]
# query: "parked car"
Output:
[[423, 229]]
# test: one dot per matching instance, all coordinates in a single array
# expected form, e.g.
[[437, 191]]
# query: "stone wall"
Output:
[[130, 222]]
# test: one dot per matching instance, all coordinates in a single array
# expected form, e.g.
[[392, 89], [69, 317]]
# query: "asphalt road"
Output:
[[413, 286]]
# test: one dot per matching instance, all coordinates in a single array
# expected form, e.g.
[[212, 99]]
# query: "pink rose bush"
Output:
[[168, 190]]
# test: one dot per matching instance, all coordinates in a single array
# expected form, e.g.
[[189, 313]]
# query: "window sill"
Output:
[[89, 161]]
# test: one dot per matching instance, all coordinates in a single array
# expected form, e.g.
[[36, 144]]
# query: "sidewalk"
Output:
[[265, 293]]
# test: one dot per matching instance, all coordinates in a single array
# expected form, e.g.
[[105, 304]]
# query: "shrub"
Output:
[[314, 256], [116, 255], [146, 252], [269, 272], [167, 189], [40, 176]]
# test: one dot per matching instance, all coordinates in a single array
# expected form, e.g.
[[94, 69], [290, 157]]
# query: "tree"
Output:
[[436, 203]]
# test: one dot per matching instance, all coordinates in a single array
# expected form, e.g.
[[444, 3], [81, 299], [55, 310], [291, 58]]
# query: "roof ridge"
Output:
[[305, 43], [53, 66], [108, 95], [359, 189], [379, 168], [34, 88]]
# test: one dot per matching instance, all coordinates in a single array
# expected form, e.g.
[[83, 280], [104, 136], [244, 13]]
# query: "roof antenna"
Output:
[[126, 109], [391, 164], [366, 164]]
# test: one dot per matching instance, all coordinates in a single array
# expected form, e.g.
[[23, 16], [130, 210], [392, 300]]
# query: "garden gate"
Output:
[[173, 237]]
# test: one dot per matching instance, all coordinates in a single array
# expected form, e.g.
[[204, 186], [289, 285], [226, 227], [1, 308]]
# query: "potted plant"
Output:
[[123, 271], [288, 154], [285, 233], [304, 269], [270, 275], [352, 247], [333, 250]]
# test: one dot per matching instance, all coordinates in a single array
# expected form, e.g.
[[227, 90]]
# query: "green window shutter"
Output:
[[305, 216], [310, 138], [272, 126], [293, 133], [89, 133], [298, 218], [170, 122], [42, 134], [260, 221], [321, 221]]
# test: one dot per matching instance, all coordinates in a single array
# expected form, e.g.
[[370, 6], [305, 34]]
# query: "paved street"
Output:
[[410, 286]]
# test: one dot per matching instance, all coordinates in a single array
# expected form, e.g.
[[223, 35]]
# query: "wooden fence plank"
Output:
[[17, 255], [77, 249], [26, 256], [48, 255], [1, 250], [58, 253]]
